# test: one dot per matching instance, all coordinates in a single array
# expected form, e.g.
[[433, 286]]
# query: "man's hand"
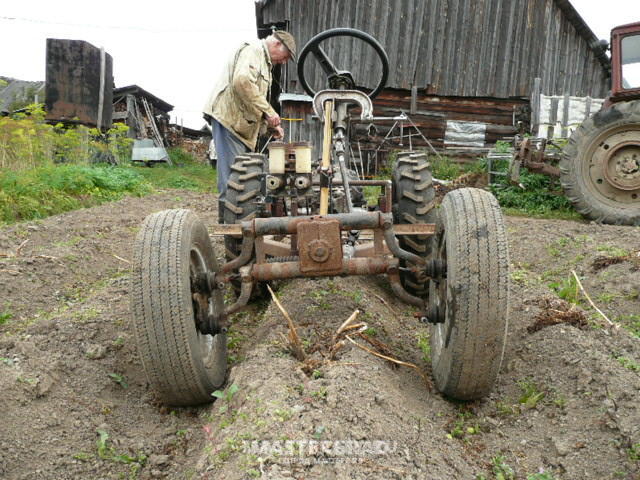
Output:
[[273, 121], [278, 133]]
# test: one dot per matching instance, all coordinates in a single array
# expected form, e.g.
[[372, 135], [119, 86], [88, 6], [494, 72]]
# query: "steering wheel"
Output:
[[336, 77]]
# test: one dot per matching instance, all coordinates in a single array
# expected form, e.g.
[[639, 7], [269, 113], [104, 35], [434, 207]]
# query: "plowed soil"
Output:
[[75, 402]]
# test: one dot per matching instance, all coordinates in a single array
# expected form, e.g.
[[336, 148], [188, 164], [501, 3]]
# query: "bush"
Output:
[[27, 141], [541, 195]]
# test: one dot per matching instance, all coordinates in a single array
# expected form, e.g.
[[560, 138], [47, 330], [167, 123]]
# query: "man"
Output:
[[239, 105]]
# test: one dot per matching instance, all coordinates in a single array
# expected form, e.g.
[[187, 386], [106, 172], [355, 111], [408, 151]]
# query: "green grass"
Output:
[[48, 190], [542, 196]]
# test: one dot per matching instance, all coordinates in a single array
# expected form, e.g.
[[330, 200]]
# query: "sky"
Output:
[[175, 50]]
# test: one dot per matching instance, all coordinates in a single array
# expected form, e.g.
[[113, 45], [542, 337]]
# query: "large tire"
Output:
[[467, 349], [181, 364], [413, 202], [600, 167]]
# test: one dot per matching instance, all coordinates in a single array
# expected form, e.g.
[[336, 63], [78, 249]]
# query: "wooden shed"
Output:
[[146, 115], [463, 70]]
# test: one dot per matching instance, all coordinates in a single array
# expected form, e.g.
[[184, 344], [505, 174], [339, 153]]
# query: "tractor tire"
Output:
[[468, 346], [600, 167], [181, 364], [240, 205], [413, 202]]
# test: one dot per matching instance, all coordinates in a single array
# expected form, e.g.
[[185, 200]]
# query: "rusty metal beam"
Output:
[[354, 266], [275, 248], [408, 229]]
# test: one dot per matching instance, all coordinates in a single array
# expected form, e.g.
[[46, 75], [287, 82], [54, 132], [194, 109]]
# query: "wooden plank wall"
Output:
[[431, 116], [476, 48]]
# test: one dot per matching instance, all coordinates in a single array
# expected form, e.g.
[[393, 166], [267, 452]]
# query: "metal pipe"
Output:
[[398, 289], [246, 251], [394, 247], [354, 266], [245, 292], [289, 225]]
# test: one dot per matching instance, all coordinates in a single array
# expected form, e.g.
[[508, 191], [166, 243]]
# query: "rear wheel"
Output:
[[600, 167], [471, 299], [241, 204], [414, 200], [183, 365]]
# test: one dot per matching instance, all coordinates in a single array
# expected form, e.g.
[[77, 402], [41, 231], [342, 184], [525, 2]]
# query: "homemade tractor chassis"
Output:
[[285, 217]]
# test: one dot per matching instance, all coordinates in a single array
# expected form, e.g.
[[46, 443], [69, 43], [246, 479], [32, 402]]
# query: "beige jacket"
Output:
[[239, 100]]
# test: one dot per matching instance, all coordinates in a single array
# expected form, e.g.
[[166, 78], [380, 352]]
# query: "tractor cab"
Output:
[[625, 62]]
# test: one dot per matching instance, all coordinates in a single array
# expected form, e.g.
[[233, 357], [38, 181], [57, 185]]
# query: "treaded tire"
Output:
[[588, 178], [471, 238], [414, 200], [240, 204], [181, 364]]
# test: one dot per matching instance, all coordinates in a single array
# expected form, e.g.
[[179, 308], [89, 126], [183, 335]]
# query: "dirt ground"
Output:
[[75, 403]]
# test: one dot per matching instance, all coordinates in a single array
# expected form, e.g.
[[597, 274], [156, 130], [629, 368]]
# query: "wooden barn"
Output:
[[465, 71]]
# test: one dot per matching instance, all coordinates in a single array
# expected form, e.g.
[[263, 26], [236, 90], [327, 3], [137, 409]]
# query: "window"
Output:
[[630, 61]]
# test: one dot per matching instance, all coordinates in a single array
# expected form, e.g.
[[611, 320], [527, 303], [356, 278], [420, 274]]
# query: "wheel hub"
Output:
[[613, 169], [623, 166]]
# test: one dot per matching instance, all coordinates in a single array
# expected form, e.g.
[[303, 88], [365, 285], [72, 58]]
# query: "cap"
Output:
[[287, 39]]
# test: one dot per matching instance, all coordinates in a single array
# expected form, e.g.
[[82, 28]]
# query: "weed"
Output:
[[107, 452], [463, 426], [567, 289], [520, 276], [281, 415], [233, 340], [321, 393], [225, 396], [317, 434], [119, 379], [5, 317], [7, 361], [319, 296], [425, 346], [541, 196], [612, 251], [317, 374], [444, 168], [607, 297], [634, 452], [27, 380], [628, 363], [631, 323], [560, 401], [501, 469], [504, 409], [371, 331], [531, 394], [83, 456]]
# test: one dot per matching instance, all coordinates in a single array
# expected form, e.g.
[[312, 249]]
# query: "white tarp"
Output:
[[467, 134], [146, 151], [577, 113]]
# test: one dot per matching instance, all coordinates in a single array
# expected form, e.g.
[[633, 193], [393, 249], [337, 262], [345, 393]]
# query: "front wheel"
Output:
[[182, 364], [472, 298]]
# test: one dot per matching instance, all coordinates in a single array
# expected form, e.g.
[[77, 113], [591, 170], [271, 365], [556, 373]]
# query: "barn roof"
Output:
[[15, 88], [136, 90]]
